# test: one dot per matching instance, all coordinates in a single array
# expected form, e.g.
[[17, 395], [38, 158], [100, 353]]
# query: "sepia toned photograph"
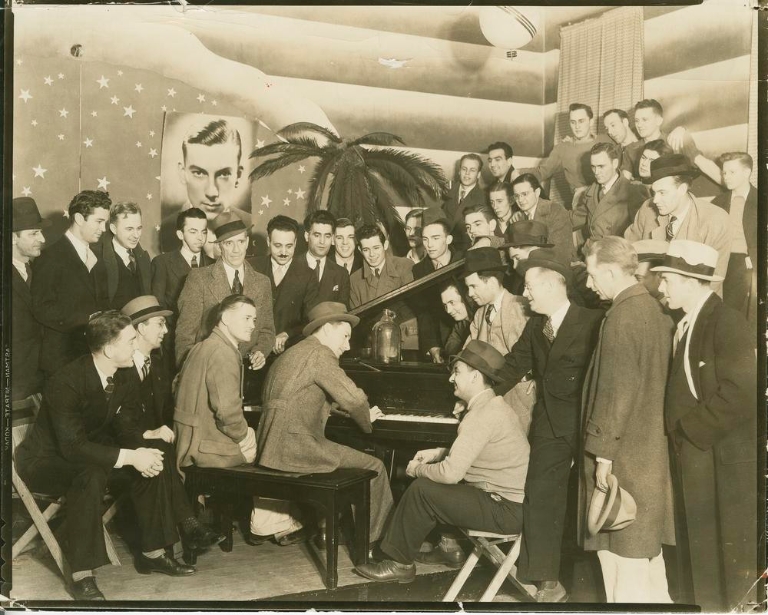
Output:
[[384, 307]]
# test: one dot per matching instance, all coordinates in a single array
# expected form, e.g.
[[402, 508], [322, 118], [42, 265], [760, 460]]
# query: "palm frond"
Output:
[[268, 167], [426, 173], [319, 179], [401, 181], [351, 195], [287, 148], [378, 138], [299, 127]]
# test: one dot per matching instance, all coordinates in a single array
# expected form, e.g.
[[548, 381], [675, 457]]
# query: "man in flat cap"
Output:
[[298, 392], [478, 484], [711, 419], [675, 213], [205, 288], [27, 334]]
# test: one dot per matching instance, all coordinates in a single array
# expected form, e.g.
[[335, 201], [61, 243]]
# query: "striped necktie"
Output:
[[237, 285], [131, 261], [671, 228], [145, 368]]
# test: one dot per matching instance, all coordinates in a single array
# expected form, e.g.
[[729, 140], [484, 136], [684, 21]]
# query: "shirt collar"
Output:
[[139, 360], [312, 260], [278, 266], [22, 267], [444, 259], [230, 271], [610, 183], [340, 260], [121, 251], [102, 376], [479, 397], [187, 254], [557, 318], [80, 246]]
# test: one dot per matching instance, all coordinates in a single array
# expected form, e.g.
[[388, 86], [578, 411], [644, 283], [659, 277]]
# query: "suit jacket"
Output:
[[705, 223], [64, 295], [26, 341], [559, 368], [454, 212], [76, 422], [610, 215], [169, 271], [559, 230], [298, 393], [208, 419], [335, 283], [357, 261], [433, 323], [749, 218], [293, 298], [156, 396], [203, 290], [365, 287], [105, 252]]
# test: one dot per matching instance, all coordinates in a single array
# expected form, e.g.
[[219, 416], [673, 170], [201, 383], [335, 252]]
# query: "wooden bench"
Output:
[[334, 492]]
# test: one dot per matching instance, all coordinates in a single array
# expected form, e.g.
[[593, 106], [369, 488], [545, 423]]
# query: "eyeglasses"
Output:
[[523, 195]]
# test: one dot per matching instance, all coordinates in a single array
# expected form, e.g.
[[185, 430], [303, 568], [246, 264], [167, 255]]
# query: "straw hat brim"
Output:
[[700, 276]]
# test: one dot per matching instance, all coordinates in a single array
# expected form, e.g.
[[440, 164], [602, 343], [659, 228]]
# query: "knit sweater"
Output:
[[490, 452]]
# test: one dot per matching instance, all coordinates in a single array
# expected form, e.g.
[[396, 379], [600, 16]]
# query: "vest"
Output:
[[128, 285]]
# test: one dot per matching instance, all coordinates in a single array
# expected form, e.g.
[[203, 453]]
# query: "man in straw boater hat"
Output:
[[478, 484], [300, 387], [205, 288], [556, 344], [675, 213], [711, 419], [623, 426]]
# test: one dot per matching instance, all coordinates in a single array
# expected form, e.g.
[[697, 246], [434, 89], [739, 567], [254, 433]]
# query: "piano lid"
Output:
[[410, 290]]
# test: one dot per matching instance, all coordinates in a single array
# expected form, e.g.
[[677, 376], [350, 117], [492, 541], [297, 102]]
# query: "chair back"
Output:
[[23, 417]]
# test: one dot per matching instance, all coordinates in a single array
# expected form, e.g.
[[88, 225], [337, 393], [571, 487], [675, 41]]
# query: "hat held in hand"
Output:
[[610, 511]]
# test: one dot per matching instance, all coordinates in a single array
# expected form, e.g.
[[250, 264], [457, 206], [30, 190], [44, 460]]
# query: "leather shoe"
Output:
[[293, 538], [453, 559], [552, 594], [388, 570], [202, 538], [255, 539], [86, 589], [164, 564]]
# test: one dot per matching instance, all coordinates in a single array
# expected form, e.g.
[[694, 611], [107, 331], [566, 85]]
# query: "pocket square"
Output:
[[118, 410], [701, 364], [336, 288]]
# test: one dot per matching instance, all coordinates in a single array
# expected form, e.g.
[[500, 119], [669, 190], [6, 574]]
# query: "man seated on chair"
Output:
[[479, 484], [76, 444], [209, 424]]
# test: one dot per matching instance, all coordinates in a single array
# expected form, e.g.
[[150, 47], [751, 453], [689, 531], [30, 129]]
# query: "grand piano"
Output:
[[415, 396]]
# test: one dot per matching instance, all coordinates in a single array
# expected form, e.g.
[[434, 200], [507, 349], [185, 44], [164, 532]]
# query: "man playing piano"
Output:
[[478, 484]]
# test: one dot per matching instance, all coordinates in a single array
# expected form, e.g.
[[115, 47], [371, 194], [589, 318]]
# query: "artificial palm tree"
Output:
[[359, 175]]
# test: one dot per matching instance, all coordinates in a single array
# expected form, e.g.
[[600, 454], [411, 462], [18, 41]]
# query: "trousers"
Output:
[[638, 580], [426, 503]]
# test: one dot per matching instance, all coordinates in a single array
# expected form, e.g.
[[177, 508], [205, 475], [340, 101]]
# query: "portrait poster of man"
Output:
[[204, 164]]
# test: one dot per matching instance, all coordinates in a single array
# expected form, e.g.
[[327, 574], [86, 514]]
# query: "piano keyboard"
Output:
[[419, 418]]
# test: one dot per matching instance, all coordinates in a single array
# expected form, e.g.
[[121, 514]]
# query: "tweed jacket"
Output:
[[559, 231], [749, 218], [105, 251], [203, 290], [705, 223], [169, 271], [454, 212], [26, 341], [365, 287], [623, 420], [208, 416], [559, 368], [64, 295], [298, 392], [610, 215]]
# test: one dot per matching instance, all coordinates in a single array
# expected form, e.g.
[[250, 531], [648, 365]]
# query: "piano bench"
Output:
[[333, 491]]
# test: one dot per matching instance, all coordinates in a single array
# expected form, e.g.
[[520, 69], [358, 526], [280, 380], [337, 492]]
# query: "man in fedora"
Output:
[[675, 213], [499, 319], [556, 345], [205, 288], [711, 419], [623, 426], [650, 254], [478, 484], [529, 205], [300, 387], [433, 323], [26, 334], [522, 238]]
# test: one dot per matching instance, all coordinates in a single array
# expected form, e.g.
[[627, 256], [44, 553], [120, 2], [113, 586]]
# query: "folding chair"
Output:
[[23, 415], [487, 544]]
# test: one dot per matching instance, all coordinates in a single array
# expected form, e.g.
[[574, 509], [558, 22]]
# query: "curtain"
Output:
[[601, 65]]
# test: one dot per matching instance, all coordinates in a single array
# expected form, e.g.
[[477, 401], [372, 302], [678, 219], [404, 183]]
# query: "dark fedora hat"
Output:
[[227, 224], [26, 215], [483, 357], [546, 258], [526, 233], [143, 308], [483, 259], [673, 164], [328, 311]]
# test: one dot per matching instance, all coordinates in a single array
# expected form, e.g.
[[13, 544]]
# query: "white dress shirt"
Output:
[[83, 250], [557, 318], [312, 262], [187, 255], [21, 268], [230, 271], [278, 270], [122, 252]]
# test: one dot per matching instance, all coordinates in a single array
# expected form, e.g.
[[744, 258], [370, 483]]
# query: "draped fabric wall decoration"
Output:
[[601, 65], [752, 136]]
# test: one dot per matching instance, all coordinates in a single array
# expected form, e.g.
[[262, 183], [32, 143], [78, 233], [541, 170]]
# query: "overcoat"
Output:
[[365, 287], [26, 341], [610, 215], [298, 392], [169, 271], [623, 420]]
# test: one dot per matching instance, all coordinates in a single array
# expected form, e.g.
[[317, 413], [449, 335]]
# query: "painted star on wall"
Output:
[[103, 183], [39, 171], [103, 82], [25, 95]]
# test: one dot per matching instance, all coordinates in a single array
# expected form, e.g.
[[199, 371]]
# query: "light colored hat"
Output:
[[650, 249], [692, 259], [143, 308], [328, 311], [610, 511]]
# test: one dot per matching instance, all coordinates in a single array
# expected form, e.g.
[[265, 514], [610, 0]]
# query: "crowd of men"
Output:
[[613, 333]]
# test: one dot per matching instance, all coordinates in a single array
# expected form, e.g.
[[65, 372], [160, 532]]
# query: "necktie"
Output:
[[682, 329], [131, 261], [28, 269], [600, 193], [489, 311], [377, 272], [237, 285], [671, 228], [194, 264], [461, 194], [110, 388], [145, 368], [317, 268], [549, 330]]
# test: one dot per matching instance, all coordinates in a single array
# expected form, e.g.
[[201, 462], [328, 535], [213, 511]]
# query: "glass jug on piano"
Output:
[[385, 339]]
